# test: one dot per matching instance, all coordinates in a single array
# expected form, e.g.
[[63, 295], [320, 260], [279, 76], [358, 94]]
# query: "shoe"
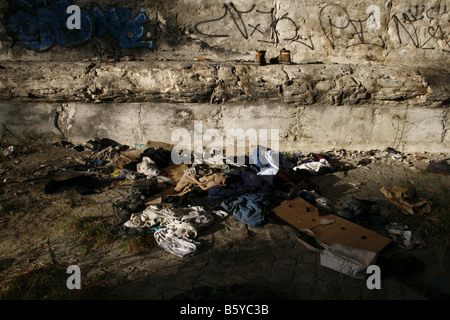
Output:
[[442, 167]]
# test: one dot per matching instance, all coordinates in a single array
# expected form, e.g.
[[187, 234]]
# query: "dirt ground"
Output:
[[235, 261]]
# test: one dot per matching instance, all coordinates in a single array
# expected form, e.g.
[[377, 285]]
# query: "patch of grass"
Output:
[[438, 221], [92, 232], [48, 282], [139, 245], [436, 224], [27, 142]]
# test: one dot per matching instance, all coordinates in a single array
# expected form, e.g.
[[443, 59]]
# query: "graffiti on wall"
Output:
[[122, 26], [38, 25], [420, 25], [334, 18], [267, 21]]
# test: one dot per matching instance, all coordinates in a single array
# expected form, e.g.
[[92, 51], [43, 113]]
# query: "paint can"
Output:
[[261, 57], [285, 56]]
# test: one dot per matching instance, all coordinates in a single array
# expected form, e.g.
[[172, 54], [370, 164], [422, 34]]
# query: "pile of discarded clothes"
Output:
[[313, 163], [107, 161], [175, 202]]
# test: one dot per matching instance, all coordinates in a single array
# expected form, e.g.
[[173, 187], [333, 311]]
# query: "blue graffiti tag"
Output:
[[38, 25], [119, 23]]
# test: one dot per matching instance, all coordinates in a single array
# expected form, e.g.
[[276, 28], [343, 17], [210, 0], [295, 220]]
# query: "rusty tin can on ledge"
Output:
[[261, 57], [285, 56]]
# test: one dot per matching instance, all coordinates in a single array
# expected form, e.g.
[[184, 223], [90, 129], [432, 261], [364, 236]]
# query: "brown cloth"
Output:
[[406, 199], [205, 182]]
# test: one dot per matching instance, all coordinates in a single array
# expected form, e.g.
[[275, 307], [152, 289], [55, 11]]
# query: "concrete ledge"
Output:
[[310, 128], [217, 83]]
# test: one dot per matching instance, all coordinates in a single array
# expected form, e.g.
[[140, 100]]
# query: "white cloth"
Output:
[[268, 172], [184, 222], [221, 213], [180, 226], [147, 167], [272, 158], [180, 246], [314, 167]]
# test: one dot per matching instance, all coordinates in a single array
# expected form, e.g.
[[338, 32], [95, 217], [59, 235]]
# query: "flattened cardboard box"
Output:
[[303, 215], [172, 175]]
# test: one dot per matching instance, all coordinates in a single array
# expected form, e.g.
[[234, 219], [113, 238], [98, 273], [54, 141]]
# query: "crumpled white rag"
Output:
[[147, 167], [180, 246]]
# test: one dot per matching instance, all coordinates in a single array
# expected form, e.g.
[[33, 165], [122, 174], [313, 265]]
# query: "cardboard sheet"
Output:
[[302, 215], [174, 172], [166, 184]]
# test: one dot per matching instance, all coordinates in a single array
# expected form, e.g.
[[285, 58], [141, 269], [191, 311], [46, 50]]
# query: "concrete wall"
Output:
[[364, 74], [311, 128], [389, 32], [218, 82], [314, 106]]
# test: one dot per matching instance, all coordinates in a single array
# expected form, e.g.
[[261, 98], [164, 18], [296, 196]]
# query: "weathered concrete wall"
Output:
[[209, 82], [305, 128], [365, 74], [314, 106]]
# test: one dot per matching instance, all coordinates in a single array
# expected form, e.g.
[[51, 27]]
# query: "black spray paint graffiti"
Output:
[[296, 37], [419, 12], [248, 30], [38, 25], [408, 27], [337, 25], [333, 17]]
